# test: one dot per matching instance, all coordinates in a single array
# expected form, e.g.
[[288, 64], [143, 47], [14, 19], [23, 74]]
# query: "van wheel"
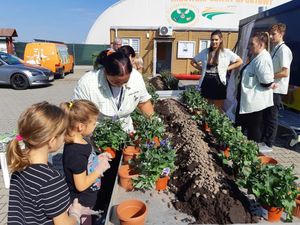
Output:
[[19, 81], [62, 75]]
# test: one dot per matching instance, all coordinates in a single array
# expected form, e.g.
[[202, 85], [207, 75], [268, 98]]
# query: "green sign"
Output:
[[183, 15]]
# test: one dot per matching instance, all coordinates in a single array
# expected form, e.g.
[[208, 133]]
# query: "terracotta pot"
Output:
[[156, 141], [267, 160], [226, 152], [205, 127], [111, 151], [130, 152], [161, 183], [274, 214], [125, 175], [132, 212], [296, 210]]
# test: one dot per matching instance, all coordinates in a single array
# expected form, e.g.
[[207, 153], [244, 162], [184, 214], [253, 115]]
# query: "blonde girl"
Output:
[[38, 194], [82, 167]]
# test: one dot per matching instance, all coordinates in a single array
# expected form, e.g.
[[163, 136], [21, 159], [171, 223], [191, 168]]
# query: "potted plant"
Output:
[[153, 162], [275, 187], [109, 135], [148, 129]]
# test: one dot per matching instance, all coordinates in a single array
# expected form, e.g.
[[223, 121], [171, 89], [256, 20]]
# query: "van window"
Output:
[[63, 53]]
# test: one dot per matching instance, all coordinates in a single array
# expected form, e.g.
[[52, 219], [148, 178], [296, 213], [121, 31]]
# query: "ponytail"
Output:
[[263, 37], [17, 158]]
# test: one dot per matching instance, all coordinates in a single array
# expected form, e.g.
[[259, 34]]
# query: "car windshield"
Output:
[[10, 59]]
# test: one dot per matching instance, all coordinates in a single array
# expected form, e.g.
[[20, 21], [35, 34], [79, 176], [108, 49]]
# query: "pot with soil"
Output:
[[130, 152], [274, 214], [132, 212], [161, 183], [125, 177], [267, 160]]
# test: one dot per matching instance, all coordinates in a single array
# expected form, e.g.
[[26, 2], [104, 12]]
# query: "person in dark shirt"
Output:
[[82, 167], [38, 194]]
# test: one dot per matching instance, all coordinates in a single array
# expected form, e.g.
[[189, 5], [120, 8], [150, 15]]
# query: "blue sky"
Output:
[[65, 20]]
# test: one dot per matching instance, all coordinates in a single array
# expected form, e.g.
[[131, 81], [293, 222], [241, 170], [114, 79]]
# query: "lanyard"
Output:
[[120, 96], [277, 50]]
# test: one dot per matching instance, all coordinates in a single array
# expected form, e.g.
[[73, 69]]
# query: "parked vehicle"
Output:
[[53, 56], [18, 74]]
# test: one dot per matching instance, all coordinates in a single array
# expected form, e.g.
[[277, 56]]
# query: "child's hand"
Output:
[[105, 155], [103, 164]]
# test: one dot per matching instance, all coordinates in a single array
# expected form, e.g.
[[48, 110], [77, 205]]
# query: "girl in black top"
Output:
[[82, 167]]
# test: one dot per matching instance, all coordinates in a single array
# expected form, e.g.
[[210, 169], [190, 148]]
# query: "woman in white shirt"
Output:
[[214, 63], [116, 88], [255, 92]]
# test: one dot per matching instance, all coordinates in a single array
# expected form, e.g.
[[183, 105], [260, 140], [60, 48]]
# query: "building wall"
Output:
[[178, 65]]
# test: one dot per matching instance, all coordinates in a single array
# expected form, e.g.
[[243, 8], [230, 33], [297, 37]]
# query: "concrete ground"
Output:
[[13, 103]]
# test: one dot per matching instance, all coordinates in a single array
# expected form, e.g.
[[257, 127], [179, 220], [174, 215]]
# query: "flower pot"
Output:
[[156, 141], [226, 152], [205, 127], [111, 151], [296, 210], [125, 175], [132, 212], [161, 183], [274, 214], [130, 152], [267, 160]]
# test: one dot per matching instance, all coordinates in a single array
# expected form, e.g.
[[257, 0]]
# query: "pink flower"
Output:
[[19, 137]]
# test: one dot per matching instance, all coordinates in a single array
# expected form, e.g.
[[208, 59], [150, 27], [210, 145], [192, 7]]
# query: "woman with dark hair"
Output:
[[214, 63], [116, 89], [255, 92]]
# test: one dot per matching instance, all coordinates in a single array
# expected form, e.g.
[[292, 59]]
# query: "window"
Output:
[[203, 44], [133, 42]]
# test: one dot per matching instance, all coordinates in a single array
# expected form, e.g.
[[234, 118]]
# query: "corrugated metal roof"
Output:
[[8, 32]]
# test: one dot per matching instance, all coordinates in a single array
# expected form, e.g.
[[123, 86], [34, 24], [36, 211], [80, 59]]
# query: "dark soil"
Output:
[[158, 83], [203, 189]]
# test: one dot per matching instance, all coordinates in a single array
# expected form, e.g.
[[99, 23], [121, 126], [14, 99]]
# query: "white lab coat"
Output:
[[93, 86], [255, 97], [225, 58]]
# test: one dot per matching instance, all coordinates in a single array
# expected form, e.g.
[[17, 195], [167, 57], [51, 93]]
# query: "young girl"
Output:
[[82, 167], [38, 194]]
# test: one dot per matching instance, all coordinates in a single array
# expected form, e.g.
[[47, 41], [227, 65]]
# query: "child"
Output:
[[82, 167], [38, 194]]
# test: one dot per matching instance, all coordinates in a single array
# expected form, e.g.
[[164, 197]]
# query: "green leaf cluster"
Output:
[[170, 81], [109, 133], [151, 163]]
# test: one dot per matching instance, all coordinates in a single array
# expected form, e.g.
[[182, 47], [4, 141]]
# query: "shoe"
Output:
[[263, 148]]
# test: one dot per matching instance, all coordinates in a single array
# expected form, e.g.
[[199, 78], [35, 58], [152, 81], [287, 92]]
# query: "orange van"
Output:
[[53, 56]]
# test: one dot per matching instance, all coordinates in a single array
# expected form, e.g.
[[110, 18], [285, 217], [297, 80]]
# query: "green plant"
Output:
[[196, 72], [193, 99], [274, 186], [109, 133], [151, 163], [169, 79], [147, 128], [151, 90]]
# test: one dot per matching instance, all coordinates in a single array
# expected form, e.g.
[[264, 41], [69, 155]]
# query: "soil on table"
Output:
[[158, 83], [201, 186]]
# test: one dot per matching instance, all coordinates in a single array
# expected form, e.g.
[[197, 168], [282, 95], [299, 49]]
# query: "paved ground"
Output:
[[13, 102]]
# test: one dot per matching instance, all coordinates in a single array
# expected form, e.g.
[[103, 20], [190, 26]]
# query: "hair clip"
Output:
[[109, 52], [21, 143], [70, 104]]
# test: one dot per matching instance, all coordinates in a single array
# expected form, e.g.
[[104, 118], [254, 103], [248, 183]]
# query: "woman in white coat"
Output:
[[214, 63], [116, 88], [255, 92]]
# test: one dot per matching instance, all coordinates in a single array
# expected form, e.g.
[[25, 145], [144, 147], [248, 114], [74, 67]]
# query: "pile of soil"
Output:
[[158, 83], [203, 189]]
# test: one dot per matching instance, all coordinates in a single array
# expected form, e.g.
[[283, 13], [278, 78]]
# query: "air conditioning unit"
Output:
[[165, 31]]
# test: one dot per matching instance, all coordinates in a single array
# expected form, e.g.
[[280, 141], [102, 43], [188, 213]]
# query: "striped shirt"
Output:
[[37, 195]]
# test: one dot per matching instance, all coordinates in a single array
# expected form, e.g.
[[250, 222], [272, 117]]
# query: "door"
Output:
[[163, 56]]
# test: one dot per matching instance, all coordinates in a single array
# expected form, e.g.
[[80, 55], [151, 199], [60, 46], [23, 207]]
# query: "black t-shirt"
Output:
[[78, 158], [37, 195]]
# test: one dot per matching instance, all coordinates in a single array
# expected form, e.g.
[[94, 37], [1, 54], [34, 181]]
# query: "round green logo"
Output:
[[183, 15]]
